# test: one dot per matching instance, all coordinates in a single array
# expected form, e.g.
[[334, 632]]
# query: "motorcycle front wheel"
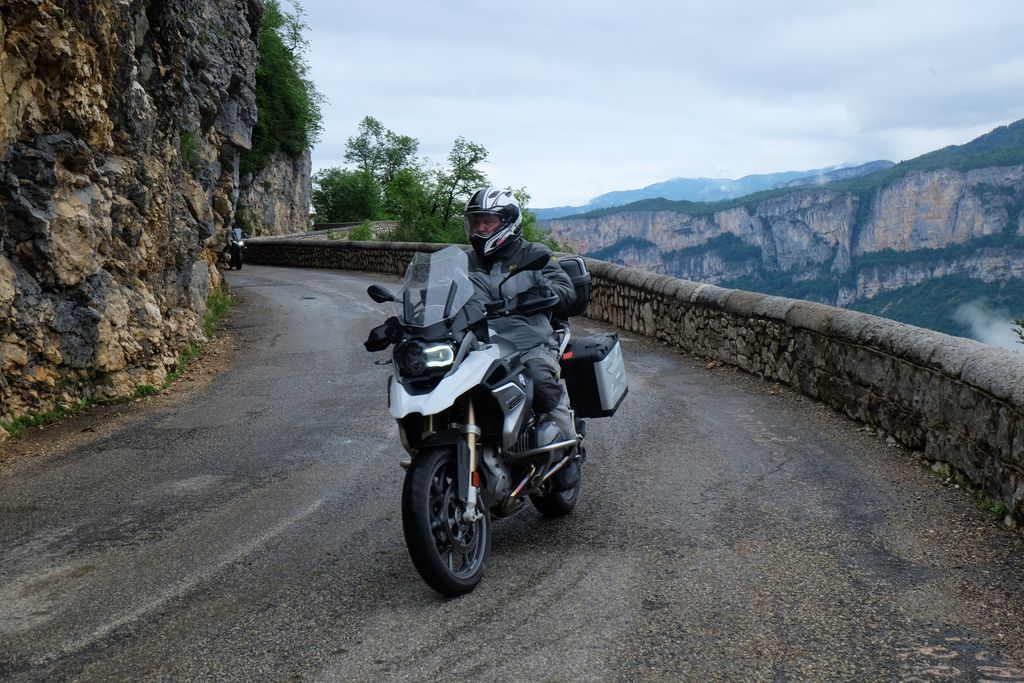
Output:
[[448, 552]]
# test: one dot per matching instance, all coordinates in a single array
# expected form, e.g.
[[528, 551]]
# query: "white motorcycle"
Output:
[[462, 399]]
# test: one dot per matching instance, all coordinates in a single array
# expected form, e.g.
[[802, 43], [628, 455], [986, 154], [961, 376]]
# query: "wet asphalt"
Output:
[[728, 529]]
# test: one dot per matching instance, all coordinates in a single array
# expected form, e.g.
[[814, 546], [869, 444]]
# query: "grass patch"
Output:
[[144, 390], [23, 423], [996, 508], [188, 150], [950, 477], [184, 358], [217, 305]]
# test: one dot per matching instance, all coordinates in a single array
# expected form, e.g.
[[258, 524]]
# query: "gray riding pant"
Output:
[[549, 393]]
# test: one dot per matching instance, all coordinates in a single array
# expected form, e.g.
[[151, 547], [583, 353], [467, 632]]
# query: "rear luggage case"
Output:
[[594, 374], [576, 269]]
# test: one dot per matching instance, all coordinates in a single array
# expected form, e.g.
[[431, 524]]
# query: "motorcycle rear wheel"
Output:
[[557, 503], [448, 552]]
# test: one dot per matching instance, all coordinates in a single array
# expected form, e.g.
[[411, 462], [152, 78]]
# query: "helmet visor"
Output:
[[482, 224]]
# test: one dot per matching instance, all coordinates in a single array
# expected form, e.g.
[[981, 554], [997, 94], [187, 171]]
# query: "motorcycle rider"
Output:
[[494, 226], [233, 249]]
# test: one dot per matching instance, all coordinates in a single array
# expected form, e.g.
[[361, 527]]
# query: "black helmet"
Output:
[[487, 235]]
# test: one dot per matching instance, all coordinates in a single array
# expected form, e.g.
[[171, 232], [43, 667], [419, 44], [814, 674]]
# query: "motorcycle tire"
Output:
[[448, 552], [557, 503]]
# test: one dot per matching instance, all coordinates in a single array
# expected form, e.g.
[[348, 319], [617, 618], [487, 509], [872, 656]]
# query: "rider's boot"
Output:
[[581, 428], [566, 478]]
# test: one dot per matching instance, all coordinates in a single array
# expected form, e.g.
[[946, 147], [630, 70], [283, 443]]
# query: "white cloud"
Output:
[[573, 99], [994, 328]]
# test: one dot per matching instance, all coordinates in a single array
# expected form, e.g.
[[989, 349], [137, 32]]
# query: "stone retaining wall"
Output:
[[959, 401]]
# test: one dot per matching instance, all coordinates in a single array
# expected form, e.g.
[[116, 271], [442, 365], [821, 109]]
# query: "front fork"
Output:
[[469, 477]]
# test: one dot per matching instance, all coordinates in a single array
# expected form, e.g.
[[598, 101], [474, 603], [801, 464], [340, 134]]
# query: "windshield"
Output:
[[435, 288]]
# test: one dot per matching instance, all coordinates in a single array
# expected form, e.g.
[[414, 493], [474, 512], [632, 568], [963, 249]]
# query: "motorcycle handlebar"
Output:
[[525, 303]]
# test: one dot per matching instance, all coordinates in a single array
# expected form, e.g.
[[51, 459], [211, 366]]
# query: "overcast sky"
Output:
[[573, 99]]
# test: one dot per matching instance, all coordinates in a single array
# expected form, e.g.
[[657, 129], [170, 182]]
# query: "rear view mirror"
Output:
[[535, 261], [379, 294], [383, 335]]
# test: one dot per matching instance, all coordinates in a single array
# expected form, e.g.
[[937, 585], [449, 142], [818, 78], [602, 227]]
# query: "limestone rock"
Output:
[[816, 233], [275, 201], [121, 125]]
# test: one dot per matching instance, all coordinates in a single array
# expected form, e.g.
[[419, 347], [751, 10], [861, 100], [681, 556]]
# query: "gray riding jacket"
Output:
[[524, 332]]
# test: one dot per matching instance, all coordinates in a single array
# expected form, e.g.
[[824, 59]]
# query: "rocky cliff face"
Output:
[[936, 209], [816, 233], [119, 140], [800, 230], [986, 265], [275, 200], [706, 266]]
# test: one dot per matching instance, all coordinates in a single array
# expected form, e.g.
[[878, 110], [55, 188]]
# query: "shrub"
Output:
[[288, 116], [188, 149], [362, 232]]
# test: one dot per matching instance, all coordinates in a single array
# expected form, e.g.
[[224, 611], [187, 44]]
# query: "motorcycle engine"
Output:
[[498, 484]]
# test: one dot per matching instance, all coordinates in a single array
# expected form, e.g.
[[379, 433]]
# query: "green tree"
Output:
[[389, 182], [1018, 328], [288, 116], [343, 196], [407, 200], [380, 151], [361, 149], [455, 183]]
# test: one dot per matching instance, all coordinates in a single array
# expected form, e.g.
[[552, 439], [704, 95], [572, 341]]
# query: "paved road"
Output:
[[728, 530]]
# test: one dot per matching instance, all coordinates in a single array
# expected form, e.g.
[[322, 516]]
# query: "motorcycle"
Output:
[[462, 399], [235, 247]]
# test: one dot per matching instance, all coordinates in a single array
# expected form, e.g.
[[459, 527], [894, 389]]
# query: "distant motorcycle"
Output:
[[462, 398], [235, 248]]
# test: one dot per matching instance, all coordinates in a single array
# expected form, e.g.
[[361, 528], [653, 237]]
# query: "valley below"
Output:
[[912, 243]]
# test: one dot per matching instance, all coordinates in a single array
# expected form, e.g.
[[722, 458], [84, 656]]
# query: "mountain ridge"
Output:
[[715, 189], [954, 212]]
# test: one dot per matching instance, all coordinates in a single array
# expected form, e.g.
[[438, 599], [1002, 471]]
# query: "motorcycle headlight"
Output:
[[241, 243], [415, 358]]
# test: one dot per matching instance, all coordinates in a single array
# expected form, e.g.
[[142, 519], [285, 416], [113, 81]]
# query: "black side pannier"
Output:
[[577, 272], [594, 374]]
